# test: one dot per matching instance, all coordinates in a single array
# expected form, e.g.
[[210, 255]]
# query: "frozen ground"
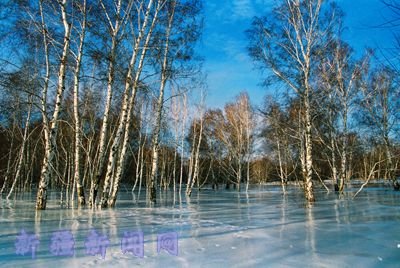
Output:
[[221, 229]]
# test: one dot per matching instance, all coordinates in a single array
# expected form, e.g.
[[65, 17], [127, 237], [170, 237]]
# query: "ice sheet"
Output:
[[261, 228]]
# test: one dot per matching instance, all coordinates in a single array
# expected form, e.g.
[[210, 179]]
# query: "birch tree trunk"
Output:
[[249, 124], [78, 138], [333, 160], [344, 171], [385, 129], [47, 76], [248, 163], [191, 161], [197, 157], [239, 173], [50, 148], [138, 160], [160, 105], [175, 115], [94, 187], [142, 164], [126, 113], [182, 143], [282, 174], [309, 191]]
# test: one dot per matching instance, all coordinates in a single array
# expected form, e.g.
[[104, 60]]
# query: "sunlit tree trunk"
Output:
[[118, 152], [191, 161], [160, 105], [46, 77], [344, 169], [138, 159], [50, 149], [78, 138], [282, 174], [239, 174], [197, 158], [333, 160], [115, 29], [184, 104], [309, 191]]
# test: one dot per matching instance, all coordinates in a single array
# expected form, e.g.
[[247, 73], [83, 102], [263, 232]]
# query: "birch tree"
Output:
[[195, 156], [248, 123], [379, 106], [287, 42], [340, 78], [178, 52], [160, 101], [127, 105], [50, 144], [181, 31], [77, 125], [115, 23], [183, 126], [277, 135]]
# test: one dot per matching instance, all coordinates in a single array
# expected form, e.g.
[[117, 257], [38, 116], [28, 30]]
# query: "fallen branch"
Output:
[[322, 182], [369, 178]]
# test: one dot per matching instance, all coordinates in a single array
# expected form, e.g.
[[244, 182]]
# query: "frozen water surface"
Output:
[[219, 229]]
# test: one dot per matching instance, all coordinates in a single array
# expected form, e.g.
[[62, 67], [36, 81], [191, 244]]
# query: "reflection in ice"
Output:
[[260, 228]]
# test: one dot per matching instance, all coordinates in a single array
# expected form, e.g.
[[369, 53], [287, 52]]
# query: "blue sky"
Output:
[[228, 67]]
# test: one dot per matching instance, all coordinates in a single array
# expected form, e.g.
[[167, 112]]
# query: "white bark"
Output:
[[51, 143], [282, 174], [344, 170], [191, 161], [182, 142], [115, 29], [309, 191], [197, 157], [333, 160], [160, 105], [78, 138], [138, 160], [126, 112]]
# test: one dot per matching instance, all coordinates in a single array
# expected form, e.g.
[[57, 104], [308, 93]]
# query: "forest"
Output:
[[99, 94], [116, 142]]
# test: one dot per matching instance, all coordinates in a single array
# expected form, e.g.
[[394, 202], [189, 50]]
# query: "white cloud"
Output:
[[231, 11], [243, 9]]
